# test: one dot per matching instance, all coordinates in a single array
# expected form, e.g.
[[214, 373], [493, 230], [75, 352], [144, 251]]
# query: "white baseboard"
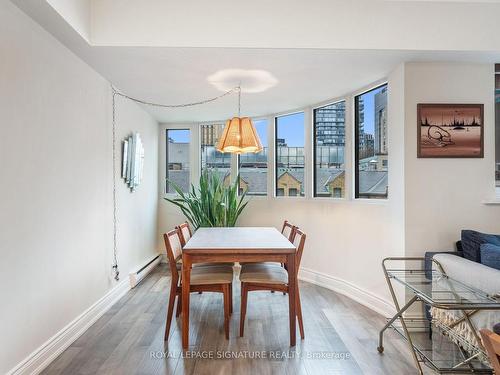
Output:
[[46, 353], [373, 302]]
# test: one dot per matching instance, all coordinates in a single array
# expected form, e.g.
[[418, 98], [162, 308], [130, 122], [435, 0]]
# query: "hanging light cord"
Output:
[[239, 99], [115, 257], [183, 105], [152, 104]]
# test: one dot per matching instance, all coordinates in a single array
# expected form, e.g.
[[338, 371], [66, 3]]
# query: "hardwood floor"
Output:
[[341, 337]]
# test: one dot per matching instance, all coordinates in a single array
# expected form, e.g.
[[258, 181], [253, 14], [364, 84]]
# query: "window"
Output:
[[497, 128], [210, 157], [289, 146], [371, 148], [329, 146], [177, 159], [253, 167]]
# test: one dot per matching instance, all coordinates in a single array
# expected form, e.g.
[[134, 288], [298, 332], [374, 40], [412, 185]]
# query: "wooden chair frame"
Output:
[[286, 224], [249, 286], [491, 342], [176, 288], [181, 235]]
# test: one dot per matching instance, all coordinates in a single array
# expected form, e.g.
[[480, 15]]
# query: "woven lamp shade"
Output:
[[239, 137]]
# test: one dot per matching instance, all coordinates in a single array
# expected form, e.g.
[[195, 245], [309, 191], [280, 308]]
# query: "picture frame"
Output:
[[450, 130]]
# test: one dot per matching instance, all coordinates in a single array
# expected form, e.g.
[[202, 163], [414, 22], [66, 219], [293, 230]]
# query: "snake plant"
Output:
[[213, 203]]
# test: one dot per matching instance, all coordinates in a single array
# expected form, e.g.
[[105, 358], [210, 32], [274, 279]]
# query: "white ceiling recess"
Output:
[[351, 24], [173, 75], [346, 24]]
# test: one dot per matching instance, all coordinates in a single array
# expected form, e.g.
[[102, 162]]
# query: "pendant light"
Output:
[[239, 135]]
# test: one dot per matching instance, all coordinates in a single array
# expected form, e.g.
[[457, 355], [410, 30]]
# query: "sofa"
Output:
[[476, 263]]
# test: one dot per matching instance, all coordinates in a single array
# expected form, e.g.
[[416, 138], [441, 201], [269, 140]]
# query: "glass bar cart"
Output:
[[431, 342]]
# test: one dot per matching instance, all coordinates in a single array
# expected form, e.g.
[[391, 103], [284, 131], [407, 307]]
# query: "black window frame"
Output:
[[315, 195], [221, 125], [166, 157], [276, 158], [356, 144], [497, 131], [276, 117], [238, 161]]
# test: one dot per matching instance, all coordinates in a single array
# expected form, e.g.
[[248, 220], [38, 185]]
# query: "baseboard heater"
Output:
[[136, 276]]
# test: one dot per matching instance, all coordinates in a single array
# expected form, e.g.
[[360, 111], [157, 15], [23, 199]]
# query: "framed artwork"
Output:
[[450, 130]]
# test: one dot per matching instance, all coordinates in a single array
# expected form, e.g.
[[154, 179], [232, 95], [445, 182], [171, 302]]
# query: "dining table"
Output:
[[238, 244]]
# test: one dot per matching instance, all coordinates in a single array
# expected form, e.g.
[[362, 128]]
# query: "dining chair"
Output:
[[273, 277], [185, 234], [491, 342], [288, 229], [213, 278]]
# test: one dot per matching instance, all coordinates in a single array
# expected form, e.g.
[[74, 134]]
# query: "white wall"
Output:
[[444, 196], [346, 239], [56, 190]]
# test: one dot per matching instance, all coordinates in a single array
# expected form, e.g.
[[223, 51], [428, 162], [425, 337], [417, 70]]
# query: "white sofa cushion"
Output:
[[475, 275]]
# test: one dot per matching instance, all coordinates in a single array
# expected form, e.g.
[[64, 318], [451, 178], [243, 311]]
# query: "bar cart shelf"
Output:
[[432, 343]]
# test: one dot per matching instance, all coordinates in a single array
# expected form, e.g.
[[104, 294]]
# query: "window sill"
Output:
[[492, 202], [376, 201], [256, 197], [287, 197], [328, 199]]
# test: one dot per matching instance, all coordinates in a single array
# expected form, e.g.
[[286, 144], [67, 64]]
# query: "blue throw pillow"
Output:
[[490, 255], [472, 241]]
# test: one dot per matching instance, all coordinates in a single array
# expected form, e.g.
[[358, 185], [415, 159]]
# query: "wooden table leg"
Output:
[[292, 288], [186, 280]]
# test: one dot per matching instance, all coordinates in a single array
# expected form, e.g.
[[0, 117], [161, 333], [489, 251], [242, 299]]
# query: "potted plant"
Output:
[[213, 203]]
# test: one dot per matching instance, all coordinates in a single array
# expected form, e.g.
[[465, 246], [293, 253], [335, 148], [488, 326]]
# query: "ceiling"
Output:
[[174, 75], [305, 77]]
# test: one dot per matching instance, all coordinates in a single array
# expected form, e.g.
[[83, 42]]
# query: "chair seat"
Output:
[[212, 275], [264, 273]]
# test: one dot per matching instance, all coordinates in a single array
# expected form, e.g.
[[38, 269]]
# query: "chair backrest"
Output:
[[174, 249], [184, 232], [288, 230], [299, 240], [491, 343]]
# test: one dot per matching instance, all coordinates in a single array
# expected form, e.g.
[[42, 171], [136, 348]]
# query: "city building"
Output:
[[380, 141], [209, 134], [330, 124]]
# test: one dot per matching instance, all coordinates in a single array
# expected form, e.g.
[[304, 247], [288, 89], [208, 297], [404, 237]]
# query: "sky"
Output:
[[291, 127], [369, 101], [179, 135], [261, 127]]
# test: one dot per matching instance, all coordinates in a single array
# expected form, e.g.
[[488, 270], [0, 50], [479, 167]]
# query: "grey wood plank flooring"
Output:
[[128, 339]]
